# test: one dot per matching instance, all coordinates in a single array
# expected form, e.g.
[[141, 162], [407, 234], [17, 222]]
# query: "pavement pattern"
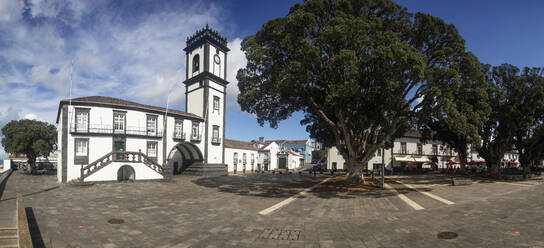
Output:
[[224, 212]]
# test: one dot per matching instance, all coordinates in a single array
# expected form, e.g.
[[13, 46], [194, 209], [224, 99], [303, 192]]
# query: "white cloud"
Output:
[[10, 10], [236, 60], [116, 52], [30, 116]]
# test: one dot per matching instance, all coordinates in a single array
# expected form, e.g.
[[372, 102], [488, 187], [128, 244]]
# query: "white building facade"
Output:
[[409, 153], [109, 139], [241, 157]]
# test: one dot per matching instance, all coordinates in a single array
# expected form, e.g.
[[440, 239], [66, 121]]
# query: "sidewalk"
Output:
[[7, 206]]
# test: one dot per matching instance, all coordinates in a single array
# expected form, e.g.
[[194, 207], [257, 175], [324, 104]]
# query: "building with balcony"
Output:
[[409, 152], [109, 139]]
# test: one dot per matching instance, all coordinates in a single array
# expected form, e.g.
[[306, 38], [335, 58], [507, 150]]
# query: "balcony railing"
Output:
[[196, 137], [216, 140], [179, 136], [108, 129]]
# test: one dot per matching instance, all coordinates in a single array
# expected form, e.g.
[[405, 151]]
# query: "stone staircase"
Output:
[[127, 157], [8, 237], [206, 170]]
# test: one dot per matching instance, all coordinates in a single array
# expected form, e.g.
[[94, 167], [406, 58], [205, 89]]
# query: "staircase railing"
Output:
[[118, 156]]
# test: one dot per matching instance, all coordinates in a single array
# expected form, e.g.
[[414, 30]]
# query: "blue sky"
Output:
[[133, 49]]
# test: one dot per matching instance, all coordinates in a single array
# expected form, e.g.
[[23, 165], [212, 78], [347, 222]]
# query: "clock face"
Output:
[[216, 59]]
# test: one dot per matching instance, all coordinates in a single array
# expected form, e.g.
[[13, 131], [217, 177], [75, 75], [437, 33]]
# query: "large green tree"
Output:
[[355, 68], [527, 115], [460, 112], [516, 122], [30, 137], [497, 132]]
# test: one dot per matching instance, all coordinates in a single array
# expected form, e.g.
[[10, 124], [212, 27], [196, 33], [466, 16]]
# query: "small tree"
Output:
[[30, 137], [355, 68]]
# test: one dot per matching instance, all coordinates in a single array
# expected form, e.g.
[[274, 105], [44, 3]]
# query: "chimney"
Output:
[[261, 139]]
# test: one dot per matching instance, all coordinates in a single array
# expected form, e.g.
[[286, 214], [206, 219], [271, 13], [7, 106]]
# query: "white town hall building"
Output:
[[109, 139]]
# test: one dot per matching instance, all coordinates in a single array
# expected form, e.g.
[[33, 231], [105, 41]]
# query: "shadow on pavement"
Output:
[[35, 234], [33, 193], [281, 186]]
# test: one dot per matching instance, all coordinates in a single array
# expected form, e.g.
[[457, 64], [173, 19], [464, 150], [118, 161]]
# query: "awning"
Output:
[[404, 159], [421, 159], [418, 159]]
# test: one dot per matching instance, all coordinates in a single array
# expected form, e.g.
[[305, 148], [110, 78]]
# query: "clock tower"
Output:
[[205, 93]]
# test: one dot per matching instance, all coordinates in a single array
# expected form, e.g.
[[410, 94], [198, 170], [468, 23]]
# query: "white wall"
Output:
[[6, 166], [59, 147], [195, 104], [273, 150], [229, 159], [293, 161], [200, 52], [109, 173], [100, 145], [215, 151], [333, 155], [220, 72]]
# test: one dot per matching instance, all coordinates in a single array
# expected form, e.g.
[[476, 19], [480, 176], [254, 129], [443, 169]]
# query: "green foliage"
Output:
[[457, 118], [517, 101], [30, 137], [355, 68]]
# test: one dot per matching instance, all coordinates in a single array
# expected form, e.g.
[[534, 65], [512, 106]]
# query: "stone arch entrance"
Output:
[[182, 155], [126, 173]]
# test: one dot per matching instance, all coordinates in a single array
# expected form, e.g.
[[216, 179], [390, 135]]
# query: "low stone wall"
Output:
[[4, 175], [23, 232], [3, 179]]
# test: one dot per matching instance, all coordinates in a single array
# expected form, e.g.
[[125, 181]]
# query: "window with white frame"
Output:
[[82, 146], [194, 131], [215, 134], [118, 122], [235, 158], [152, 149], [252, 158], [244, 158], [419, 148], [435, 149], [216, 104], [403, 148], [178, 129], [82, 120], [151, 125]]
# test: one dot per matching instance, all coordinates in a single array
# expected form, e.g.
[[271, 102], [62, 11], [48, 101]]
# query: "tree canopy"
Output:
[[30, 137], [516, 121], [462, 109], [357, 70]]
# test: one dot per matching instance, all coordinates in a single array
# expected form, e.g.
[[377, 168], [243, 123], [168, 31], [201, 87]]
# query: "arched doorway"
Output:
[[126, 173], [182, 155]]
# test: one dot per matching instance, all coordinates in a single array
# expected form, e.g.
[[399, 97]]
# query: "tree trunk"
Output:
[[494, 170], [492, 163], [526, 171], [31, 163], [355, 171], [463, 161]]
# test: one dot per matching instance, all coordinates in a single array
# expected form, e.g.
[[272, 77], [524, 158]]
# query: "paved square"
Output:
[[223, 212]]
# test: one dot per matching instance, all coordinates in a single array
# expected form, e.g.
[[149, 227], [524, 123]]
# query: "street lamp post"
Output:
[[383, 167]]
